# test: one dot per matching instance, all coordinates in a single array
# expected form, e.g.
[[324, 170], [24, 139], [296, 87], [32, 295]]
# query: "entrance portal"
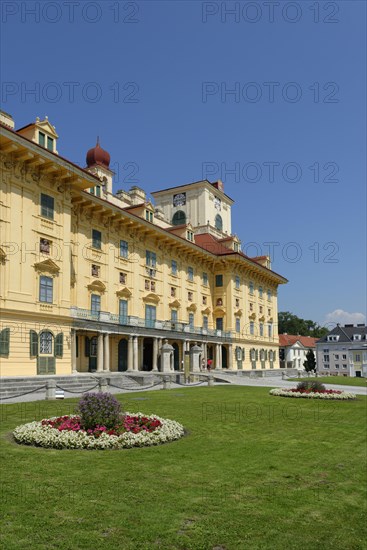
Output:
[[147, 354], [224, 358], [122, 355]]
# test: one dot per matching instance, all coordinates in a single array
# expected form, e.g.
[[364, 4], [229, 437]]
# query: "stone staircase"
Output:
[[73, 385]]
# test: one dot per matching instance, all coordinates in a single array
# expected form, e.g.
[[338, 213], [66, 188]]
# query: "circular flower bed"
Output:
[[66, 432], [311, 394]]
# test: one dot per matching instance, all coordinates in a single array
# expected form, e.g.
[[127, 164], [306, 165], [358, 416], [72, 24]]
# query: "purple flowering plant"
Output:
[[98, 409]]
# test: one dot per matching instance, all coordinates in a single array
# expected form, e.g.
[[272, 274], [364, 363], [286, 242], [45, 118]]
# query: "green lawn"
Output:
[[339, 380], [254, 472]]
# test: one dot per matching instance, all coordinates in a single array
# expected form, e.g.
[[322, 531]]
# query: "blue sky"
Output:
[[154, 81]]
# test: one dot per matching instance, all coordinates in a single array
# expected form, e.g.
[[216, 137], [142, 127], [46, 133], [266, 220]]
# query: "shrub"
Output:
[[98, 409], [313, 385]]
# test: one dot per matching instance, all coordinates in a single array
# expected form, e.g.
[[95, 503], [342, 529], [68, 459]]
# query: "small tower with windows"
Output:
[[98, 163], [202, 203]]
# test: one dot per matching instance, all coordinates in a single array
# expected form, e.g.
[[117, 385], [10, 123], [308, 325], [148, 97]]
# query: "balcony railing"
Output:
[[132, 321]]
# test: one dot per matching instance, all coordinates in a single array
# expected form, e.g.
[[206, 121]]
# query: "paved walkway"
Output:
[[268, 382]]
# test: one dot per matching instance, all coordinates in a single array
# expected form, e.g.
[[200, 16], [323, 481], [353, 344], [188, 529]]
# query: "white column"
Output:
[[135, 353], [73, 351], [217, 356], [100, 353], [130, 352], [155, 354], [230, 357], [106, 351], [140, 353]]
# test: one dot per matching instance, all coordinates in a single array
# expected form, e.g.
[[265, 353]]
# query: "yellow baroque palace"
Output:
[[96, 281]]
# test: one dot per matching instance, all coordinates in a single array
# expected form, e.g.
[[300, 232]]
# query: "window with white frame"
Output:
[[46, 343]]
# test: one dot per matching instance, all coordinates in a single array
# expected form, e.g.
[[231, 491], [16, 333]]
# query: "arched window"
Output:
[[46, 343], [218, 222], [179, 218]]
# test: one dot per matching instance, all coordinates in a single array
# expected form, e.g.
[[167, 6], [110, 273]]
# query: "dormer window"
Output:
[[357, 337], [190, 236], [50, 143], [149, 216], [333, 338], [236, 247]]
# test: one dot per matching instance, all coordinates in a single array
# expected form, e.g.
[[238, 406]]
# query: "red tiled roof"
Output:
[[290, 339], [211, 244]]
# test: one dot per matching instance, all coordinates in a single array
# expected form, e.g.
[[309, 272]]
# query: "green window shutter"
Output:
[[4, 342], [59, 345], [33, 341], [46, 365], [87, 347]]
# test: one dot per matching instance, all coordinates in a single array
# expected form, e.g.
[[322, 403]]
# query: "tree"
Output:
[[291, 324], [310, 362]]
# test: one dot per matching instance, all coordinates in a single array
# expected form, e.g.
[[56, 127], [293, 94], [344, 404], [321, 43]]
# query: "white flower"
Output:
[[34, 433], [280, 392]]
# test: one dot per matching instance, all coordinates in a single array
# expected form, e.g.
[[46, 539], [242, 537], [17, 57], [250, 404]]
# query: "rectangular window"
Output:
[[190, 235], [45, 246], [237, 282], [150, 258], [147, 284], [326, 366], [46, 289], [95, 270], [174, 268], [237, 302], [149, 216], [50, 143], [191, 320], [95, 304], [357, 358], [205, 300], [123, 312], [270, 330], [96, 239], [219, 323], [150, 316], [260, 309], [41, 139], [269, 295], [251, 287], [152, 286], [344, 356], [238, 325], [174, 315], [124, 249], [190, 296], [190, 273], [123, 277], [47, 206], [251, 306], [205, 279], [98, 190], [252, 327], [336, 356], [337, 366], [219, 280], [260, 291], [261, 329], [344, 366], [173, 292], [205, 322], [326, 358]]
